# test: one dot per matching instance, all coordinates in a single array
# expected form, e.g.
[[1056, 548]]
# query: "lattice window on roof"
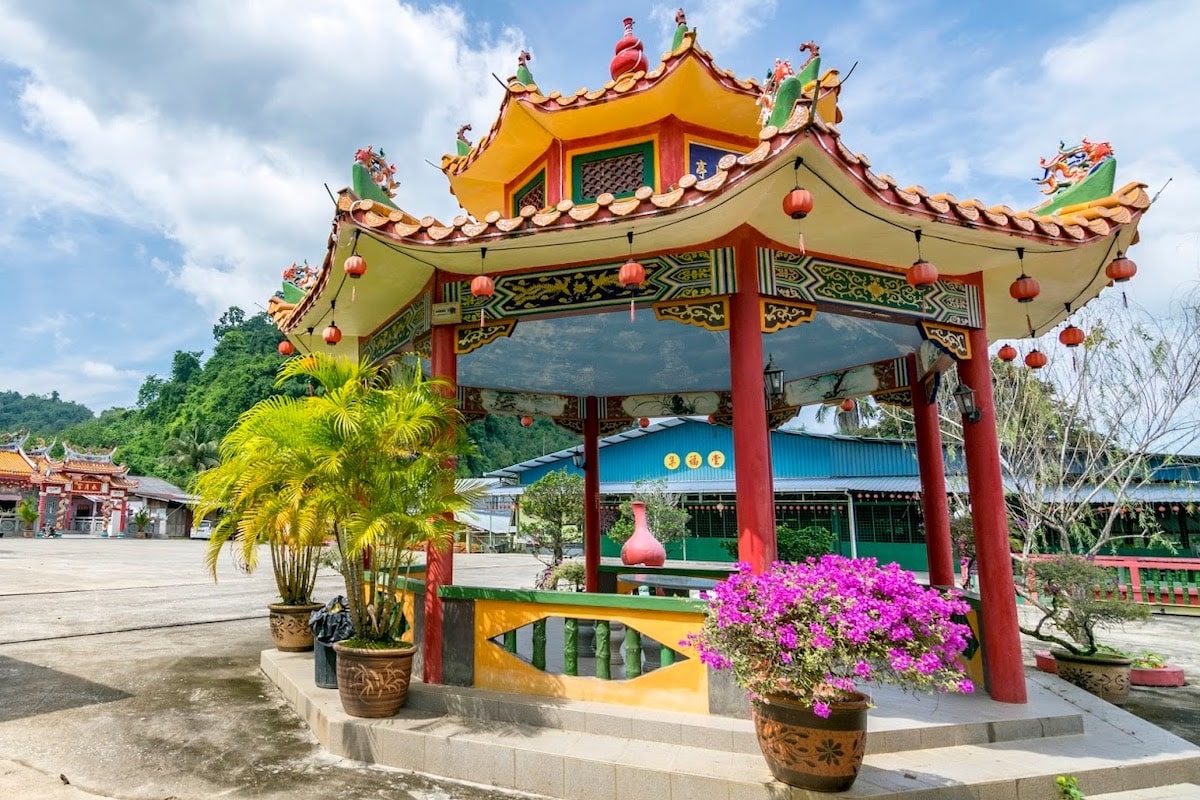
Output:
[[531, 194], [620, 175]]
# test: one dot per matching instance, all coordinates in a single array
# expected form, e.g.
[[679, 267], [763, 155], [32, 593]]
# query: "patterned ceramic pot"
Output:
[[808, 751], [1106, 676], [289, 627], [372, 682]]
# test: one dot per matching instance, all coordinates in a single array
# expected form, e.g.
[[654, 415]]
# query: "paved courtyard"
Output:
[[128, 673]]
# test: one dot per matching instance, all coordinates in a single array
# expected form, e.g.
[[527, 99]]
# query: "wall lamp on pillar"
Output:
[[965, 397], [577, 460], [772, 382]]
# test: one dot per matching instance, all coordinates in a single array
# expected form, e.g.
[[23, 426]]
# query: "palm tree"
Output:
[[193, 450], [366, 460]]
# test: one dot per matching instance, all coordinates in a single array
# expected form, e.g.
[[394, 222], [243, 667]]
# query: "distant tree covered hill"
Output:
[[40, 416]]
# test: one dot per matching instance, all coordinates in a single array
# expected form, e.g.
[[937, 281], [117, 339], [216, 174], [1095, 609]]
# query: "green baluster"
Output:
[[603, 670], [668, 656], [510, 641], [539, 644], [570, 653], [633, 653]]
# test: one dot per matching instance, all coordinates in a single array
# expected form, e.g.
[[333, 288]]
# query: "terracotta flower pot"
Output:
[[372, 682], [289, 627], [1106, 676], [808, 751]]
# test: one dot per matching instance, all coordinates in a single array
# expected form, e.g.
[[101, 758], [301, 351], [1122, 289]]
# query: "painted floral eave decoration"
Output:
[[812, 631]]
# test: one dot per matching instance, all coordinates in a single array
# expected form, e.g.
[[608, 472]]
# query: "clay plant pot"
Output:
[[808, 751], [1104, 675], [1156, 676], [373, 682], [289, 627]]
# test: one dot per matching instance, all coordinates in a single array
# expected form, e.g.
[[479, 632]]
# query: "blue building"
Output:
[[865, 490]]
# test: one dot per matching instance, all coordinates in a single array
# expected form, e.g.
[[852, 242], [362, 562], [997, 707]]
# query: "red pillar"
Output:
[[41, 520], [671, 158], [751, 436], [1001, 636], [591, 494], [439, 564], [933, 484]]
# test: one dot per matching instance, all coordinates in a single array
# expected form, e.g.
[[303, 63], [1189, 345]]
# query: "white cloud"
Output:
[[99, 370], [721, 25]]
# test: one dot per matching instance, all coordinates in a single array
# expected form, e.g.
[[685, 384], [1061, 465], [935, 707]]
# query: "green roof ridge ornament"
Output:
[[372, 178], [462, 142], [524, 76], [783, 88], [1078, 174], [681, 30]]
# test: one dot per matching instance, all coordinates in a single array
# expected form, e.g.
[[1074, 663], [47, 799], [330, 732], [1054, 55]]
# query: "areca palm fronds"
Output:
[[367, 460]]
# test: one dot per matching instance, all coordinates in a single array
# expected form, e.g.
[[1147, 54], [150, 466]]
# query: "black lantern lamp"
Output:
[[965, 397], [577, 459], [772, 382]]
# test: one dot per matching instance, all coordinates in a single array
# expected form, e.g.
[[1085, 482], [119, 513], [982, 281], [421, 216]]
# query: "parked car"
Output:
[[203, 530]]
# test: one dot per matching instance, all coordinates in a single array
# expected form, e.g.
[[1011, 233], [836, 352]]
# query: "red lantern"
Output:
[[332, 335], [1120, 269], [847, 405], [632, 274], [644, 422], [1007, 353], [482, 286], [1071, 336], [355, 266], [526, 421], [797, 203], [285, 348], [1036, 359], [1024, 288], [922, 273]]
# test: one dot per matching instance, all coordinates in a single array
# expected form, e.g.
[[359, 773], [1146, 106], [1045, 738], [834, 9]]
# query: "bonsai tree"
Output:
[[552, 509], [28, 512], [1067, 590], [367, 460]]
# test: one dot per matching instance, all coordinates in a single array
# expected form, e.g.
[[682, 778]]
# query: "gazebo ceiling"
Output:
[[609, 354]]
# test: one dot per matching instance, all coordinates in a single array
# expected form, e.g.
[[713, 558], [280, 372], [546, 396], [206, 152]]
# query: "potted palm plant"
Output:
[[366, 460], [249, 489], [28, 513], [1070, 592], [800, 638], [141, 521]]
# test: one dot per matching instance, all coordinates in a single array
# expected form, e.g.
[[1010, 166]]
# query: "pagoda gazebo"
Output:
[[653, 246]]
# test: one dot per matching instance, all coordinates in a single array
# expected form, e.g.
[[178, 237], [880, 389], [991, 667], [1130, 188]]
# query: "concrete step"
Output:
[[1176, 791], [606, 761]]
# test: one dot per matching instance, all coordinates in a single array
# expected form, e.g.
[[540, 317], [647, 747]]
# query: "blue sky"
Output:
[[163, 161]]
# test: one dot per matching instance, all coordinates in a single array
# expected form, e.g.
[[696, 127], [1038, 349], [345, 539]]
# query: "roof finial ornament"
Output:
[[629, 55], [463, 143], [524, 76], [681, 30]]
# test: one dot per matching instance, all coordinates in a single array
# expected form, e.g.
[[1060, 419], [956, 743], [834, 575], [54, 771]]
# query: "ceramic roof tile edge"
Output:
[[630, 84], [1093, 220]]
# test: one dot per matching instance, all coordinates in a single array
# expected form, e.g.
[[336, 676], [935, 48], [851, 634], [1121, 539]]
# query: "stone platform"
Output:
[[918, 746]]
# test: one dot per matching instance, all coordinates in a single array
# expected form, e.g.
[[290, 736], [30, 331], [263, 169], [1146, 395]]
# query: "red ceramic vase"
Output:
[[642, 547]]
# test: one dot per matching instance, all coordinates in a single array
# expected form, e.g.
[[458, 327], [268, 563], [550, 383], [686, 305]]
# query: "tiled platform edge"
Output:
[[919, 747]]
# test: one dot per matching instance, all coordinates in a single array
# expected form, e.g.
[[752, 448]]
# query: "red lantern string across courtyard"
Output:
[[1072, 336], [332, 334], [1036, 359], [921, 273], [285, 348], [1007, 353]]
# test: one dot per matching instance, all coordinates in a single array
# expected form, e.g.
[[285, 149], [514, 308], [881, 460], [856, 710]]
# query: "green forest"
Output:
[[176, 425]]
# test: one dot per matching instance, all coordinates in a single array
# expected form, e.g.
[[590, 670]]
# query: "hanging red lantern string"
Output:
[[644, 422], [286, 348], [526, 421], [1007, 353], [798, 202], [332, 333], [355, 266], [1036, 359], [847, 405], [482, 285], [632, 274], [921, 273], [1119, 270], [1024, 288]]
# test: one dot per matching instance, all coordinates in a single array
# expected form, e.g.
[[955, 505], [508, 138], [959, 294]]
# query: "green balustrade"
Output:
[[603, 669], [633, 653], [510, 641], [570, 647], [539, 644]]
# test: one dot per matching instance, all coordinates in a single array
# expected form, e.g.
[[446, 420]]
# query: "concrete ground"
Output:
[[127, 673]]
